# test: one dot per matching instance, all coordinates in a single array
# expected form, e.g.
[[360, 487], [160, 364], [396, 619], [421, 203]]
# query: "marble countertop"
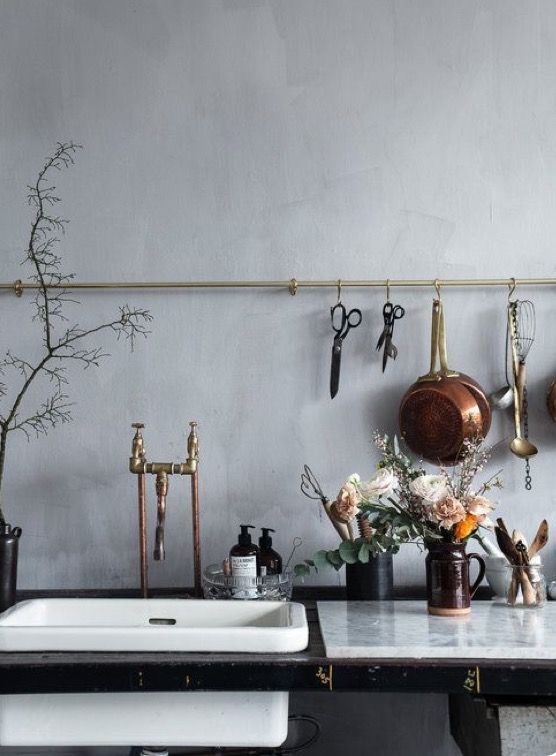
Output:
[[404, 630]]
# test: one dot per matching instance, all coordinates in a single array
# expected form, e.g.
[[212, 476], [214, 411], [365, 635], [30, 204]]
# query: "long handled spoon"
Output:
[[520, 446], [503, 398]]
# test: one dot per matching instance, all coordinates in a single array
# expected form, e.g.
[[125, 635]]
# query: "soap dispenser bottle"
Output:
[[270, 560], [244, 556]]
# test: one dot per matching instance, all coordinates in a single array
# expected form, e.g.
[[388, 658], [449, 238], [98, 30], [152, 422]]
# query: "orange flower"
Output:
[[465, 527]]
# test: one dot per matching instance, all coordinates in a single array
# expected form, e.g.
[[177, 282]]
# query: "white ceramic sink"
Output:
[[199, 718], [154, 625]]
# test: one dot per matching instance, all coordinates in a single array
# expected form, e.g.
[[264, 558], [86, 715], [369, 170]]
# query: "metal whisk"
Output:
[[526, 324]]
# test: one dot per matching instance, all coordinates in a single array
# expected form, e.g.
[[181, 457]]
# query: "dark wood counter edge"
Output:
[[82, 672]]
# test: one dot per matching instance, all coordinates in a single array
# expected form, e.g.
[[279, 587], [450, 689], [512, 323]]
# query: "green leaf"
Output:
[[335, 559], [320, 559], [348, 552], [301, 570], [363, 554]]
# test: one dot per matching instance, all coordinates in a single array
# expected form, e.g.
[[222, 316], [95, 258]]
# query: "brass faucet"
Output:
[[139, 466]]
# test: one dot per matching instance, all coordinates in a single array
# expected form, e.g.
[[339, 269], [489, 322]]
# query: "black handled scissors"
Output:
[[390, 314], [342, 322]]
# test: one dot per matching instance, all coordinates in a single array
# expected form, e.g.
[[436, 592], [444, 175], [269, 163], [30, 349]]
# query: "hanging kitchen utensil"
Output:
[[522, 337], [551, 400], [442, 408], [476, 390], [390, 313], [526, 327], [503, 398], [342, 322]]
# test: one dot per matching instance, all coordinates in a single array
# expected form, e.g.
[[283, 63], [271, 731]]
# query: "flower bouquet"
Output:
[[403, 503], [360, 541], [427, 507]]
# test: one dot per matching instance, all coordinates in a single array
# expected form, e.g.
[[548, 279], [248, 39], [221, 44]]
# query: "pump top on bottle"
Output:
[[269, 559]]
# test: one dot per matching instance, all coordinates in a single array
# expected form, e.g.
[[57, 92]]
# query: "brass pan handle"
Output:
[[444, 369], [432, 375]]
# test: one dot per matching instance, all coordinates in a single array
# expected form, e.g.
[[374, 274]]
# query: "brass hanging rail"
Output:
[[293, 285]]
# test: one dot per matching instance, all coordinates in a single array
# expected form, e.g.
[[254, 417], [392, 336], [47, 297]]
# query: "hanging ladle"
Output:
[[503, 398], [520, 446]]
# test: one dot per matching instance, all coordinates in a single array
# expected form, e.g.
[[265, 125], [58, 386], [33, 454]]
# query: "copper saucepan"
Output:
[[442, 408]]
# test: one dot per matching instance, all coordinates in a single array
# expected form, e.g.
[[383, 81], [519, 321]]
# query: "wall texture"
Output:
[[261, 139]]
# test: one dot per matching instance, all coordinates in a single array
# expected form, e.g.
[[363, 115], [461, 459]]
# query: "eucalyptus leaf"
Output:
[[348, 552], [363, 553], [320, 559], [335, 559]]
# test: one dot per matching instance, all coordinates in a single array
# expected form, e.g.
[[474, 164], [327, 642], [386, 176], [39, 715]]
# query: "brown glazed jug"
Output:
[[448, 590]]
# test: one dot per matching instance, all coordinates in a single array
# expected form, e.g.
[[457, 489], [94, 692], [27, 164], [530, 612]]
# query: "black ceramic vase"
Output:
[[373, 581], [9, 543]]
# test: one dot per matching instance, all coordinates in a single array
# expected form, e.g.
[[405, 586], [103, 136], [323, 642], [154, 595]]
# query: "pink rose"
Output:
[[480, 507], [448, 511], [346, 506]]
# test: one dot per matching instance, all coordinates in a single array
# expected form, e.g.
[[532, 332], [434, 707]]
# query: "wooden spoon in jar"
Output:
[[540, 539]]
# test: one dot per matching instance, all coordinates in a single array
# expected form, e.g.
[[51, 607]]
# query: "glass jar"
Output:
[[526, 586]]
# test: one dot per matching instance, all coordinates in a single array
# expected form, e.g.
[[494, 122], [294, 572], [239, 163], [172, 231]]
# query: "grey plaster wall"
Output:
[[263, 139]]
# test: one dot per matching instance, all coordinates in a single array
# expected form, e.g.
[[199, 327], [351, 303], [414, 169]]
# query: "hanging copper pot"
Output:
[[444, 407]]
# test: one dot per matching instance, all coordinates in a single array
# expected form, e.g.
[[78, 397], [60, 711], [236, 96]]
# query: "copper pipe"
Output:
[[196, 533], [142, 498]]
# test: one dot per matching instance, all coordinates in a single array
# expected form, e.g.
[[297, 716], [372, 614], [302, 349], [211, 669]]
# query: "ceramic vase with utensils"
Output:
[[449, 592]]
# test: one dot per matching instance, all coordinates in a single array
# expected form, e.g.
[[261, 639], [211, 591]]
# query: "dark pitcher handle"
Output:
[[482, 568]]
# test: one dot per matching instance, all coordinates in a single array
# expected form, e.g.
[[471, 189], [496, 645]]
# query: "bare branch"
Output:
[[53, 292], [54, 411]]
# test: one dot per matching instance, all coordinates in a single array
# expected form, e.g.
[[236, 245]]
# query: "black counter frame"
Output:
[[309, 670]]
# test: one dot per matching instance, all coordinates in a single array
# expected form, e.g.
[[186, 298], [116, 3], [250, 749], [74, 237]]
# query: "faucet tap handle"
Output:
[[138, 444], [193, 443]]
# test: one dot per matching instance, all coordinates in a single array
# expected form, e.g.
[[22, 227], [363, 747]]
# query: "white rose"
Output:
[[432, 488], [380, 484]]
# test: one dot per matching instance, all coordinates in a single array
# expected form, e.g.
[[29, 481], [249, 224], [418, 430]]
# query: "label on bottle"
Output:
[[244, 572], [244, 566]]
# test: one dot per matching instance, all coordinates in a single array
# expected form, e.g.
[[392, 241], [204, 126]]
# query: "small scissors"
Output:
[[342, 322], [390, 313]]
